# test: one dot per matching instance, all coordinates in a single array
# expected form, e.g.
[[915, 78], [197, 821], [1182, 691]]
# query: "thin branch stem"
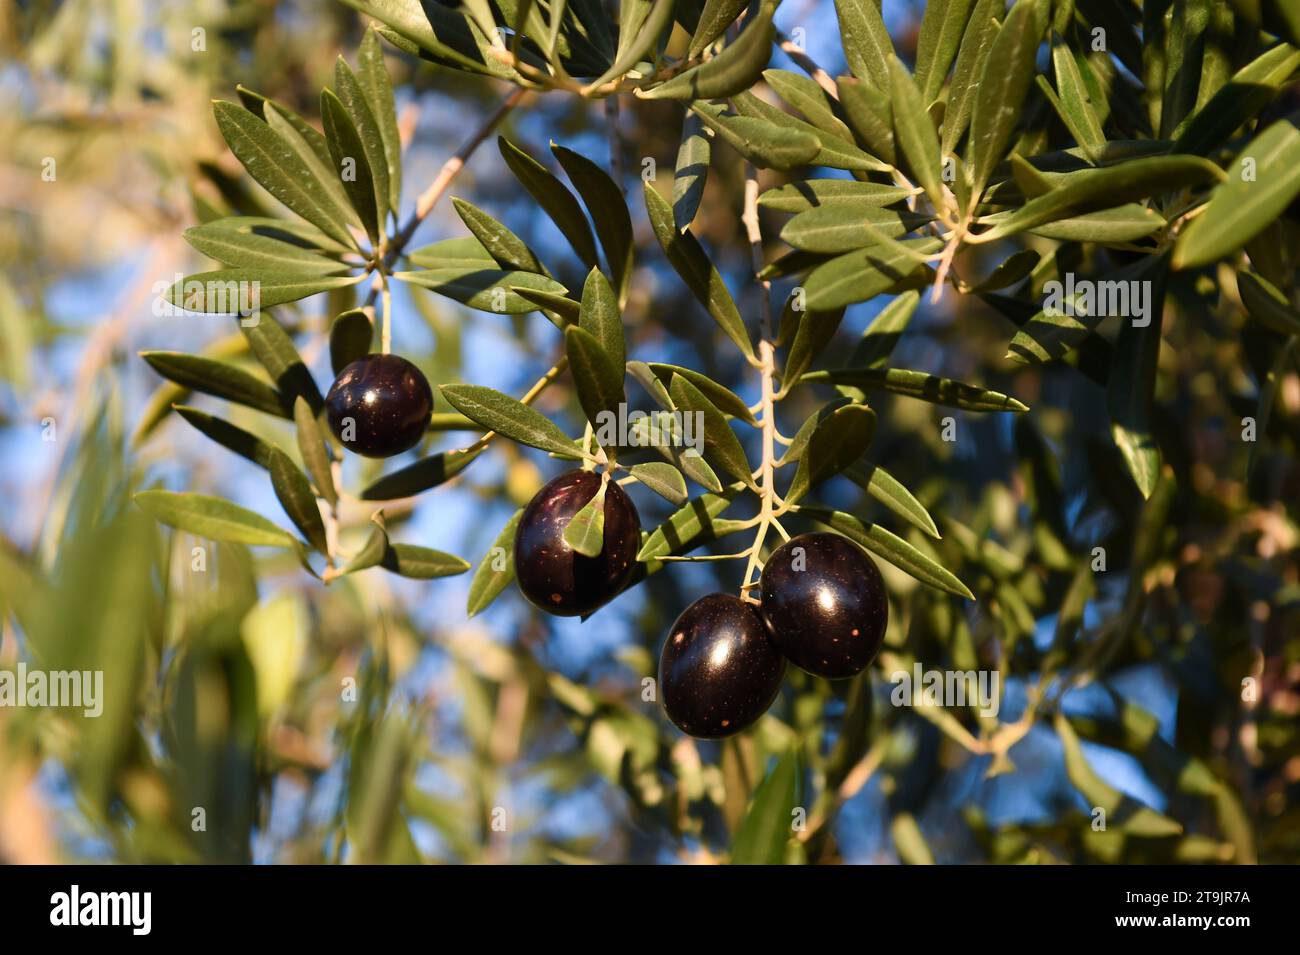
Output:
[[767, 371], [450, 169], [386, 329]]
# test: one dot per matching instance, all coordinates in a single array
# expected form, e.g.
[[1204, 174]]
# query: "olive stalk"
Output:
[[767, 372]]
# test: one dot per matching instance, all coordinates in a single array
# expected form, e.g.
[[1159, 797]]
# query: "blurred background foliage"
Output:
[[370, 721]]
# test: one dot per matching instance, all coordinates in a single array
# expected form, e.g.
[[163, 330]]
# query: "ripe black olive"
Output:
[[824, 603], [719, 672], [379, 405], [554, 577]]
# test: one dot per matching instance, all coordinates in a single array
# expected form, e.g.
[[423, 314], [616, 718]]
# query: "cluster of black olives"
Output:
[[823, 606], [822, 600], [379, 406]]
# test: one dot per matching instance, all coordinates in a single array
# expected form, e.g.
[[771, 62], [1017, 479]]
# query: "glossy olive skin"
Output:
[[551, 575], [719, 671], [388, 401], [824, 604]]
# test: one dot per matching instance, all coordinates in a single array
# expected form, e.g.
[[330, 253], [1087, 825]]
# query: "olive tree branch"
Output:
[[767, 372], [450, 169]]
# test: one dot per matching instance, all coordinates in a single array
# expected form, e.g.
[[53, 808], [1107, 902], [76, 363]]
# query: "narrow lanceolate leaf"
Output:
[[889, 491], [805, 95], [501, 245], [213, 518], [914, 131], [1261, 182], [554, 198], [598, 379], [838, 440], [692, 171], [560, 309], [496, 570], [919, 385], [665, 432], [1008, 74], [942, 27], [1093, 189], [832, 150], [1266, 304], [688, 524], [1136, 818], [421, 563], [813, 334], [890, 547], [444, 35], [863, 274], [841, 228], [1052, 333], [234, 438], [691, 262], [867, 46], [243, 250], [487, 289], [278, 169], [277, 354], [720, 442], [1126, 223], [799, 443], [352, 335], [378, 87], [735, 69], [765, 830], [367, 124], [809, 194], [311, 445], [607, 206], [726, 400], [243, 291], [297, 498], [716, 16], [469, 252], [310, 146], [1239, 100], [599, 316], [372, 551], [870, 115], [351, 163], [1130, 392], [419, 477], [216, 378], [662, 478], [762, 142], [585, 532], [1009, 271], [1077, 109], [659, 19], [286, 230], [511, 418], [881, 336], [976, 44]]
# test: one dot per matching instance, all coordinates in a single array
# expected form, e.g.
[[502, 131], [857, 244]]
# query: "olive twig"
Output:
[[767, 371]]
